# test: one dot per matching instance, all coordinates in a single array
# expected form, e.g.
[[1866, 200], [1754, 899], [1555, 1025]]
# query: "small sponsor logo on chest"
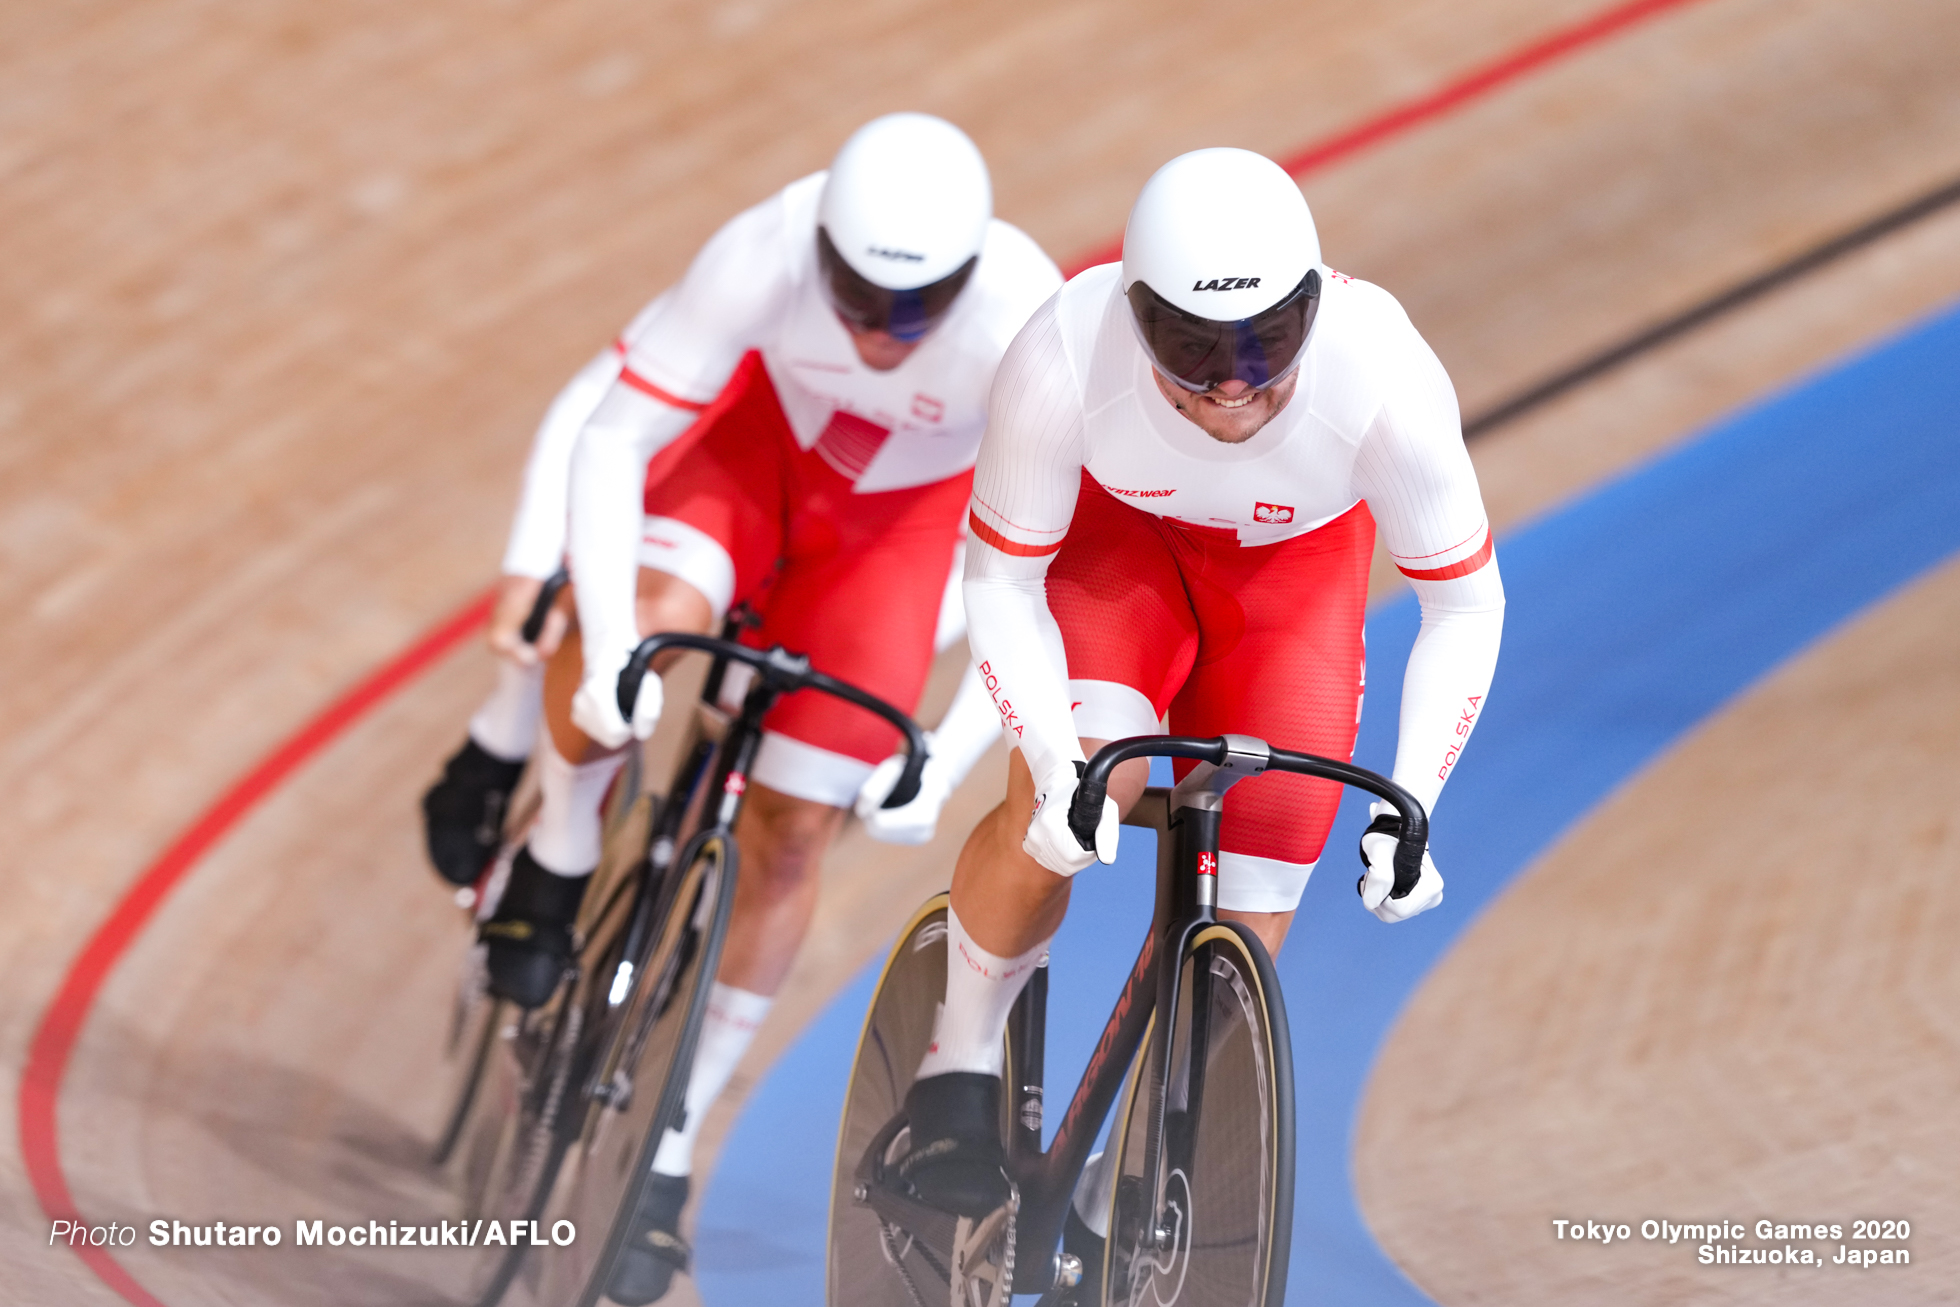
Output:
[[1272, 514], [1140, 494], [928, 409]]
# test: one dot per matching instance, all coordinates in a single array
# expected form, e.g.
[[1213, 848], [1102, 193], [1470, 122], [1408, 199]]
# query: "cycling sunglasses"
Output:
[[867, 306], [1200, 353]]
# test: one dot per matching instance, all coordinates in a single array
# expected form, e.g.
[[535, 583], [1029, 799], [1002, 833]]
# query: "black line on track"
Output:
[[1923, 206]]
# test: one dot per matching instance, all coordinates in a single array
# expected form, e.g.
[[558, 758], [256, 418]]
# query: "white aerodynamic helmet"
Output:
[[899, 228], [1221, 267]]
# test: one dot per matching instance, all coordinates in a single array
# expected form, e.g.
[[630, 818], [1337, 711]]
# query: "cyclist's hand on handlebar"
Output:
[[595, 708], [915, 822], [1378, 856], [515, 597], [1050, 842]]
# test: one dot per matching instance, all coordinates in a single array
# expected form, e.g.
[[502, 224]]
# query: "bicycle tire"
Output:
[[860, 1269], [1229, 1217], [510, 1171], [537, 1122], [473, 1030], [634, 1085]]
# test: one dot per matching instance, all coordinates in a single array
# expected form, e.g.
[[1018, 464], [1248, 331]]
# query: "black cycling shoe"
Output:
[[530, 937], [463, 813], [654, 1250], [955, 1160]]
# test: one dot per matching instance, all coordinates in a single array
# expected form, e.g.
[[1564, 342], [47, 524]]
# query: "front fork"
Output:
[[1187, 898], [1175, 1068]]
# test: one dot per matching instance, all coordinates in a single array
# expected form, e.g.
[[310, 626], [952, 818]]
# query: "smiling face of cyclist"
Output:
[[1221, 272], [1228, 377], [1231, 411]]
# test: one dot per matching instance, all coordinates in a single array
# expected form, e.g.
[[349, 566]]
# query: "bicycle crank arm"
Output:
[[930, 1226]]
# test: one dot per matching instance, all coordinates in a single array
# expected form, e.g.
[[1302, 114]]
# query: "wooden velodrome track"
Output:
[[289, 285]]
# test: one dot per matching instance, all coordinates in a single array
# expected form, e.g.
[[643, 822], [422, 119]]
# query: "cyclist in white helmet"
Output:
[[1187, 459], [792, 426]]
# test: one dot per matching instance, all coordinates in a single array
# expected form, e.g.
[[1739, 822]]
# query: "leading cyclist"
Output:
[[792, 426], [1173, 516]]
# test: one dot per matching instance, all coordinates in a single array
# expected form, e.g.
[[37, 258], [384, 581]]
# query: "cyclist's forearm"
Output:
[[1447, 682], [968, 729], [536, 546], [1017, 649], [608, 479]]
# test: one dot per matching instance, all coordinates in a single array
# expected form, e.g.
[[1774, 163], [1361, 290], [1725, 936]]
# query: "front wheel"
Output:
[[634, 1085], [1201, 1211]]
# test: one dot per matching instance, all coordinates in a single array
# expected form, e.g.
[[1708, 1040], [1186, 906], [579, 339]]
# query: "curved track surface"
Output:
[[290, 287]]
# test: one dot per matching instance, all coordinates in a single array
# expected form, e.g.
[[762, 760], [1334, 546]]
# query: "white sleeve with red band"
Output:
[[537, 533], [1024, 490], [608, 496], [680, 352], [1416, 475]]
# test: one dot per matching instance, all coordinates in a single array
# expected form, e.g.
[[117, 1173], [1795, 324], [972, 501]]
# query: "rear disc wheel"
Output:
[[872, 1262]]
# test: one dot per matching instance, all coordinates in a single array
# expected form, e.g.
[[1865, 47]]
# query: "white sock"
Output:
[[980, 991], [506, 726], [727, 1029], [565, 839]]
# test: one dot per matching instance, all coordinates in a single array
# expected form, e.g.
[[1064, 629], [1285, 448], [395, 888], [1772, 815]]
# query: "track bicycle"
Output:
[[1197, 1191], [573, 1096], [472, 1027]]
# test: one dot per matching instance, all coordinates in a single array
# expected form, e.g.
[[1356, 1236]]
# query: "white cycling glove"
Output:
[[1378, 855], [595, 708], [915, 822], [1050, 842]]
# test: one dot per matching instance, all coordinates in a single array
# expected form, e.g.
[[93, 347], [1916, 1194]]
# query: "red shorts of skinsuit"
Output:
[[852, 580], [1261, 640]]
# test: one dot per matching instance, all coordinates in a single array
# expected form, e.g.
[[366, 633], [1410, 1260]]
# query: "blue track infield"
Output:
[[1635, 612]]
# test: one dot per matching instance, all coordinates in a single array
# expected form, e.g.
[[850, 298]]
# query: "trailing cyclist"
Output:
[[1188, 456], [792, 426]]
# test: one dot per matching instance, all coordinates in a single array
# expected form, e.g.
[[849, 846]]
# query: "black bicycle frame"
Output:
[[719, 762], [1187, 820], [778, 672]]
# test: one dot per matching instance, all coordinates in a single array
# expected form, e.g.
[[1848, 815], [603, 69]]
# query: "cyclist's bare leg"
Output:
[[1007, 901], [1005, 905], [782, 840], [665, 603]]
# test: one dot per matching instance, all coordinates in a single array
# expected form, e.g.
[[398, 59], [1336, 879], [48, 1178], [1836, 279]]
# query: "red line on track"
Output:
[[61, 1024], [1474, 84]]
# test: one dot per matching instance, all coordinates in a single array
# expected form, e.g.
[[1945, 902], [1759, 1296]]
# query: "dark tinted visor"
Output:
[[1199, 353], [867, 306]]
